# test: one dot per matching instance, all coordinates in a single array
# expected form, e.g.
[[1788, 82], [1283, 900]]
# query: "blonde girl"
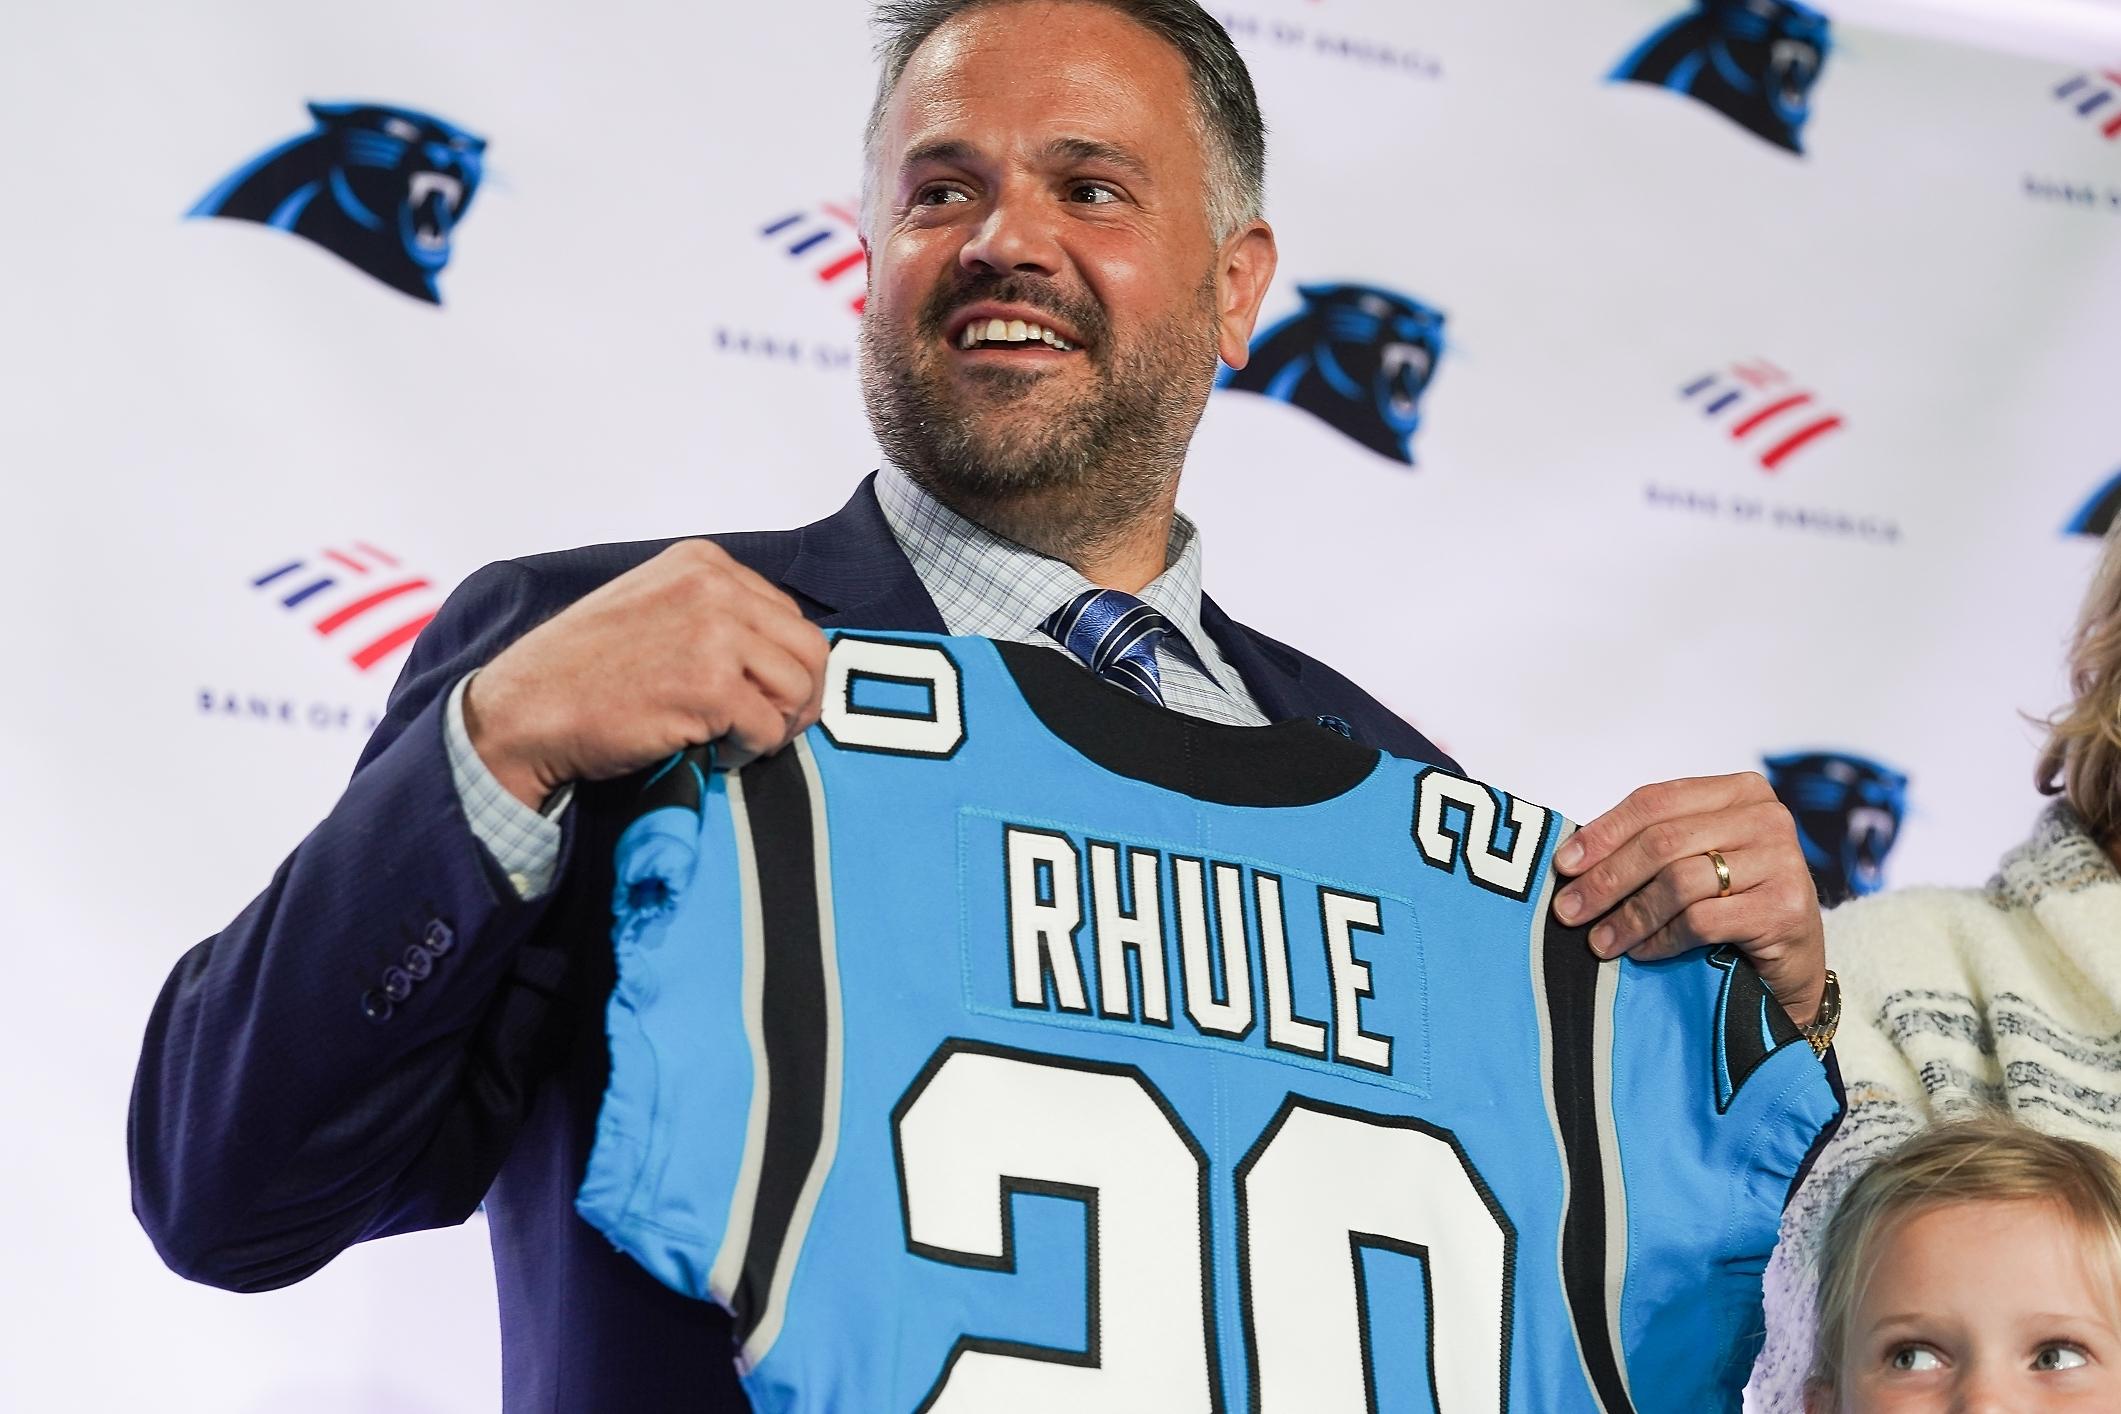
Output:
[[1976, 1268]]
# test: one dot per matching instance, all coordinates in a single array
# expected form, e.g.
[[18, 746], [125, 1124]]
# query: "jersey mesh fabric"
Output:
[[1350, 1123]]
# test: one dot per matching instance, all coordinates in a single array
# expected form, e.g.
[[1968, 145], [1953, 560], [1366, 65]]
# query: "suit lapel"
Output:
[[850, 565], [1275, 679]]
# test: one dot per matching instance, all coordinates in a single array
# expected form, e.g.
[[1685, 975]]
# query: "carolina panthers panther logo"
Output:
[[2096, 516], [1848, 813], [1754, 61], [1751, 1025], [382, 188], [1355, 355]]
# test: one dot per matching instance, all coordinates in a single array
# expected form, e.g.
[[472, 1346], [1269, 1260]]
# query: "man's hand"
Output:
[[1644, 866], [688, 648]]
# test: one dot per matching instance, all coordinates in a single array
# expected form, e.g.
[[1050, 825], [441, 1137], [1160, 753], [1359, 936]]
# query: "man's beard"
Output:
[[1064, 480]]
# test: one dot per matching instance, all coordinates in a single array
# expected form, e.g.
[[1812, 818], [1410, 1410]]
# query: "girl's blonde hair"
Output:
[[2082, 757], [1984, 1158]]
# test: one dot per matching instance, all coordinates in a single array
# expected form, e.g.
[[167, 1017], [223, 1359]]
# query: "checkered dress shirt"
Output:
[[982, 586], [989, 587]]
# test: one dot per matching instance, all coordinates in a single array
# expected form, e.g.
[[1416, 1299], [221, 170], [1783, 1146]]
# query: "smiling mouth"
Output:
[[1010, 334]]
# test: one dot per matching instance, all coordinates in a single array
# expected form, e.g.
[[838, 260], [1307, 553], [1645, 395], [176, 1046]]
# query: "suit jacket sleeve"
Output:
[[279, 1113]]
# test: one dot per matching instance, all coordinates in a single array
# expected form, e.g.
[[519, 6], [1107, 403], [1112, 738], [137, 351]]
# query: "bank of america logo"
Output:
[[1762, 408], [2096, 96], [826, 241], [357, 596]]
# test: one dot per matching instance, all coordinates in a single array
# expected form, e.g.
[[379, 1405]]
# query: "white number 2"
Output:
[[983, 1123]]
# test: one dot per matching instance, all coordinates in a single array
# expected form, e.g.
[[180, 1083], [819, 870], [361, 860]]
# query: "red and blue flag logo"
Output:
[[359, 597], [2094, 96], [826, 241], [1763, 409]]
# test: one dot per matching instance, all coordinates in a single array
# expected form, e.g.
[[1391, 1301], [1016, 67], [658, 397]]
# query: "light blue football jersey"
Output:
[[1010, 1044]]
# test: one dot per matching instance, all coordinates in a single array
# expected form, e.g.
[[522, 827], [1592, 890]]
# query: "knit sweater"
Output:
[[2006, 995]]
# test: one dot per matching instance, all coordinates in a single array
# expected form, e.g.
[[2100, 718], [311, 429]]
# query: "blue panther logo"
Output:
[[381, 188], [1848, 812], [2096, 516], [1357, 356], [1754, 61]]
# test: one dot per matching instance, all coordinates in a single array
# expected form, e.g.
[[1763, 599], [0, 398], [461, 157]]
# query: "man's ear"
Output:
[[1244, 270]]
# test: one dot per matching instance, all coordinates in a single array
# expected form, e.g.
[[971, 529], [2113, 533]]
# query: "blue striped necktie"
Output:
[[1116, 635]]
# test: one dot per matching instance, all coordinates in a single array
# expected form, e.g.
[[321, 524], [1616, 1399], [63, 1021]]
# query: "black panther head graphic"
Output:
[[1848, 813], [1754, 61], [382, 188], [1752, 1026], [2096, 516], [1355, 355]]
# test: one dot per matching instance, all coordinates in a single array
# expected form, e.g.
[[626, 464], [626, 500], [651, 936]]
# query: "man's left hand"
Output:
[[1642, 871]]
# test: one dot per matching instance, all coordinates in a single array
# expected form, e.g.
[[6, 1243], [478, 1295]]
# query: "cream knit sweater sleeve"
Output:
[[1951, 997]]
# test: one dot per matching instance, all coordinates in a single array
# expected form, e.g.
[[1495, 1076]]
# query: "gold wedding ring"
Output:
[[1723, 873]]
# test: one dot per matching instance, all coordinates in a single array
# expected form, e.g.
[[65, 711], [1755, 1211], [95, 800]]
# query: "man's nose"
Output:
[[1017, 237]]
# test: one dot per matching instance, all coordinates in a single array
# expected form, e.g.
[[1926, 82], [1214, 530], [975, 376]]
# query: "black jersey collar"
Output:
[[1290, 763]]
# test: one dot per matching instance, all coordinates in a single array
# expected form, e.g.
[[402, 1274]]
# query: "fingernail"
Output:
[[1568, 905], [1568, 856], [1602, 939]]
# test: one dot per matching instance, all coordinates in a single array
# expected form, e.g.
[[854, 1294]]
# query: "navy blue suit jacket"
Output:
[[280, 1114]]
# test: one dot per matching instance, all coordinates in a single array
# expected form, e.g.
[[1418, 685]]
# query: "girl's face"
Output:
[[1981, 1306]]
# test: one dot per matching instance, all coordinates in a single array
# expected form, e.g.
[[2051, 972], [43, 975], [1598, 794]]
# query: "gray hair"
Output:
[[1226, 110]]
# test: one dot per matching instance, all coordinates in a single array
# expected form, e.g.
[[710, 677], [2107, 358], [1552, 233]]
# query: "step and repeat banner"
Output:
[[1650, 388]]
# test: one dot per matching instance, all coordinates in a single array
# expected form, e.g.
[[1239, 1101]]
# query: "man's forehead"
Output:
[[1066, 78], [1065, 150]]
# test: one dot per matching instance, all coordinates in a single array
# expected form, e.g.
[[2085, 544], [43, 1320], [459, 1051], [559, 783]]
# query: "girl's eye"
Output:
[[1916, 1358], [2059, 1357]]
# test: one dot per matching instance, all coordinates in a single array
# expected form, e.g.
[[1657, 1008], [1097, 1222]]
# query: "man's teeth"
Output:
[[1009, 331]]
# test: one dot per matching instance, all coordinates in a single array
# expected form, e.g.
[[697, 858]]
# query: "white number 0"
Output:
[[1319, 1185]]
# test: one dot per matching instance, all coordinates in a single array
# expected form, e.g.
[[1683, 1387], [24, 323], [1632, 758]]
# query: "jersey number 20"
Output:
[[1319, 1184]]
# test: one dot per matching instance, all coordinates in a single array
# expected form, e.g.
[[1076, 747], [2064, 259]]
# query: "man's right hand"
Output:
[[687, 648]]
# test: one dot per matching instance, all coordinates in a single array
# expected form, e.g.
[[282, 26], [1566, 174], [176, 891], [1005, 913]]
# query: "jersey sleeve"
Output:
[[662, 1191], [1718, 1107]]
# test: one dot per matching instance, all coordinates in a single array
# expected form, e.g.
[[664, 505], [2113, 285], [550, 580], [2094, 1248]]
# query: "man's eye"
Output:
[[1915, 1357], [1092, 194], [2060, 1357], [938, 196]]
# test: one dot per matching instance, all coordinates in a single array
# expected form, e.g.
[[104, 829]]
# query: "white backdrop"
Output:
[[1586, 582]]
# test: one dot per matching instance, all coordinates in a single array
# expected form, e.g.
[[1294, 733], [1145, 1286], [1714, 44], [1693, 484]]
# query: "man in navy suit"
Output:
[[1062, 222]]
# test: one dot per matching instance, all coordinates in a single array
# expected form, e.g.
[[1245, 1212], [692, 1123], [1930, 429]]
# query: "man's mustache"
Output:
[[1083, 315]]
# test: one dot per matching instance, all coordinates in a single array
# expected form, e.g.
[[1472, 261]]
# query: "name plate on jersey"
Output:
[[1072, 927]]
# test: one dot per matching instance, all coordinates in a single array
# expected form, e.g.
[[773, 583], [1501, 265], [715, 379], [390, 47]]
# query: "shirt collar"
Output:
[[995, 588]]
